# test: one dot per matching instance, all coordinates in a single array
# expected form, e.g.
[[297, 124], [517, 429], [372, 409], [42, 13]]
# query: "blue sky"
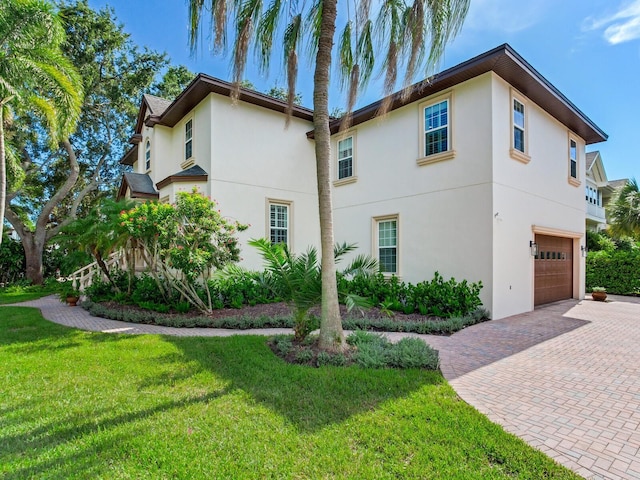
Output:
[[589, 49]]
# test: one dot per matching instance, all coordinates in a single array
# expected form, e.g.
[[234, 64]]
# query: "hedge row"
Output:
[[618, 271]]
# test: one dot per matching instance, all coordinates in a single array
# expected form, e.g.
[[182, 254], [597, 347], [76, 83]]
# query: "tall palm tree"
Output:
[[413, 35], [34, 75], [624, 211]]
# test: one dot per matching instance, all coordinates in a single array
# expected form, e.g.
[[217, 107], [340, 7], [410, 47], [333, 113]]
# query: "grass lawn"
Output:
[[24, 294], [77, 404]]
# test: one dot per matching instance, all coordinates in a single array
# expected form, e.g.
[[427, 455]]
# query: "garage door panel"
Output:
[[553, 269]]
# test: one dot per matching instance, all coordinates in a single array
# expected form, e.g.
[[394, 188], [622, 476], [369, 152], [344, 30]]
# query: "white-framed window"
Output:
[[518, 126], [188, 139], [147, 156], [386, 243], [345, 158], [436, 129], [279, 222]]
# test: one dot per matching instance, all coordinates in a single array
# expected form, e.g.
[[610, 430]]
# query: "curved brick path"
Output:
[[565, 378]]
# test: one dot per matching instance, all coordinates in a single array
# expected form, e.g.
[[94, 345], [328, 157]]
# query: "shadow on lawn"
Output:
[[310, 398]]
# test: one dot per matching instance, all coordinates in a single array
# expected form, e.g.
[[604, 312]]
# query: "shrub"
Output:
[[282, 344], [371, 355], [304, 355], [182, 307], [145, 289], [412, 353], [618, 272]]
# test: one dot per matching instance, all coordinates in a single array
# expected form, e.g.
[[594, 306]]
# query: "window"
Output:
[[188, 140], [573, 159], [345, 158], [518, 126], [279, 223], [387, 244], [147, 156], [436, 128]]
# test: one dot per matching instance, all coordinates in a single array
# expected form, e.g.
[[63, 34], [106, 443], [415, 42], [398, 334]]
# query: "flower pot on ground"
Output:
[[70, 297], [599, 294]]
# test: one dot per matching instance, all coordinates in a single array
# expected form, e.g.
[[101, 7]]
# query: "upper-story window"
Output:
[[436, 128], [188, 140], [345, 158], [573, 159], [147, 156], [518, 126]]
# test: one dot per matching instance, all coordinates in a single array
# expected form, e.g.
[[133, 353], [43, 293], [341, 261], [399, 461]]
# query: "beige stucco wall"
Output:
[[526, 197], [444, 208]]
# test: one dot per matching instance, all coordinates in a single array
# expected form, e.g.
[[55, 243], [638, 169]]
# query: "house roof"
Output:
[[508, 64], [591, 158], [131, 156], [140, 185], [151, 108], [193, 174], [615, 184]]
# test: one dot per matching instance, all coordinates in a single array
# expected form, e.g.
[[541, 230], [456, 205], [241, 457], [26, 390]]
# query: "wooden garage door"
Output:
[[553, 269]]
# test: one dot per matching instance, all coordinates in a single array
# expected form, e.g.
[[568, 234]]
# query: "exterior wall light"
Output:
[[583, 250], [534, 248]]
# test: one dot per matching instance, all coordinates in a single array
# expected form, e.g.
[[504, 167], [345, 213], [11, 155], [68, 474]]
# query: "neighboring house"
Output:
[[599, 191], [478, 173]]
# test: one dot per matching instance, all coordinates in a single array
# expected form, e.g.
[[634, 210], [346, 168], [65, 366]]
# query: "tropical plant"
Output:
[[35, 76], [297, 279], [182, 243], [624, 212], [412, 34]]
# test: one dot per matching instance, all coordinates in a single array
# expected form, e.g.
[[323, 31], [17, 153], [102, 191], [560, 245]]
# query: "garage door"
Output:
[[553, 269]]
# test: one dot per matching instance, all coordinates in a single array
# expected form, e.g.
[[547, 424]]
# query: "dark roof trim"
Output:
[[203, 85], [515, 70], [193, 174], [131, 156]]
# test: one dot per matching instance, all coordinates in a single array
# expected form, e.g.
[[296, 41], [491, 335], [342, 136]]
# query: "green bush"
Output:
[[282, 344], [145, 289], [438, 297], [371, 355], [618, 271], [304, 355], [412, 353], [240, 287]]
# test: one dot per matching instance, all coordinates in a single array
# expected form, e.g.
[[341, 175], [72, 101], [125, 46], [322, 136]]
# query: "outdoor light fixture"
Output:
[[534, 248], [584, 250]]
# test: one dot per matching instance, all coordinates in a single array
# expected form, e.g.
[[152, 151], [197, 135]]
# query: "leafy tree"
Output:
[[35, 76], [174, 81], [182, 243], [413, 35], [624, 211], [281, 94], [61, 183], [11, 261]]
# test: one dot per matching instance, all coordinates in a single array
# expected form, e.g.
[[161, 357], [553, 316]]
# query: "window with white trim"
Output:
[[147, 156], [387, 244], [436, 128], [345, 158], [188, 140], [573, 159], [518, 126], [279, 223]]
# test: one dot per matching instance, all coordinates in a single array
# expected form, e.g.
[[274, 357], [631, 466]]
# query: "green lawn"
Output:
[[78, 404], [23, 294]]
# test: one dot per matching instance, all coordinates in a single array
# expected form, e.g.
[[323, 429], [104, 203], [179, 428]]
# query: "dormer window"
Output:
[[188, 140], [147, 156]]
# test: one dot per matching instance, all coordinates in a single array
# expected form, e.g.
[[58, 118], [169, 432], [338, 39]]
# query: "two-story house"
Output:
[[599, 191], [478, 173]]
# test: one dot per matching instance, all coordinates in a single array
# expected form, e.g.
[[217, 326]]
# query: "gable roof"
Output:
[[615, 184], [140, 185], [151, 107], [591, 158], [505, 62], [193, 174]]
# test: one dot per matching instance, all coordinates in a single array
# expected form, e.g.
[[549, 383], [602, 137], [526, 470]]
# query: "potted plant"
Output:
[[599, 294], [70, 296]]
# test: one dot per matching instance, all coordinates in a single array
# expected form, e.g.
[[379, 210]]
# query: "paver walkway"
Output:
[[565, 378]]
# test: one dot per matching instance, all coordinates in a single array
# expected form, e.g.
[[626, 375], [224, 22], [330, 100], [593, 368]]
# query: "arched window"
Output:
[[147, 156]]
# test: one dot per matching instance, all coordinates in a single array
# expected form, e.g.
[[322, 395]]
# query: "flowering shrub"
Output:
[[182, 242]]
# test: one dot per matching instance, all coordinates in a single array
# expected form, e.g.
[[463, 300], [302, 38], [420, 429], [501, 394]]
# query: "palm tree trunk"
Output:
[[3, 172], [331, 334]]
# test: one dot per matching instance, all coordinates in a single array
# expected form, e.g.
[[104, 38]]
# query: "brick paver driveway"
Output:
[[565, 378]]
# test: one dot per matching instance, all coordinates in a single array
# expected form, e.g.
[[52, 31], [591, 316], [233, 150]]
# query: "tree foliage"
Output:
[[624, 212]]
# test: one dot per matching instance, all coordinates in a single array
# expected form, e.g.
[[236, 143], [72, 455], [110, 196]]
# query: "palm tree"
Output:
[[34, 75], [624, 211], [413, 35]]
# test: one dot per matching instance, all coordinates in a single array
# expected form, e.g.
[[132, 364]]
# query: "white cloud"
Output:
[[621, 26]]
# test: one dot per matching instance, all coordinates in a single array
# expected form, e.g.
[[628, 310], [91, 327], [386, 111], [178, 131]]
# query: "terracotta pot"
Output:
[[72, 301], [599, 296]]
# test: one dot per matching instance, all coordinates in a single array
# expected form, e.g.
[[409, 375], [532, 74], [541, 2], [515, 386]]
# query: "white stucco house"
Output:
[[479, 174], [599, 191]]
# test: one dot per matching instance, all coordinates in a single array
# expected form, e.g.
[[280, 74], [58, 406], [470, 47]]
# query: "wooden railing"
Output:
[[83, 277]]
